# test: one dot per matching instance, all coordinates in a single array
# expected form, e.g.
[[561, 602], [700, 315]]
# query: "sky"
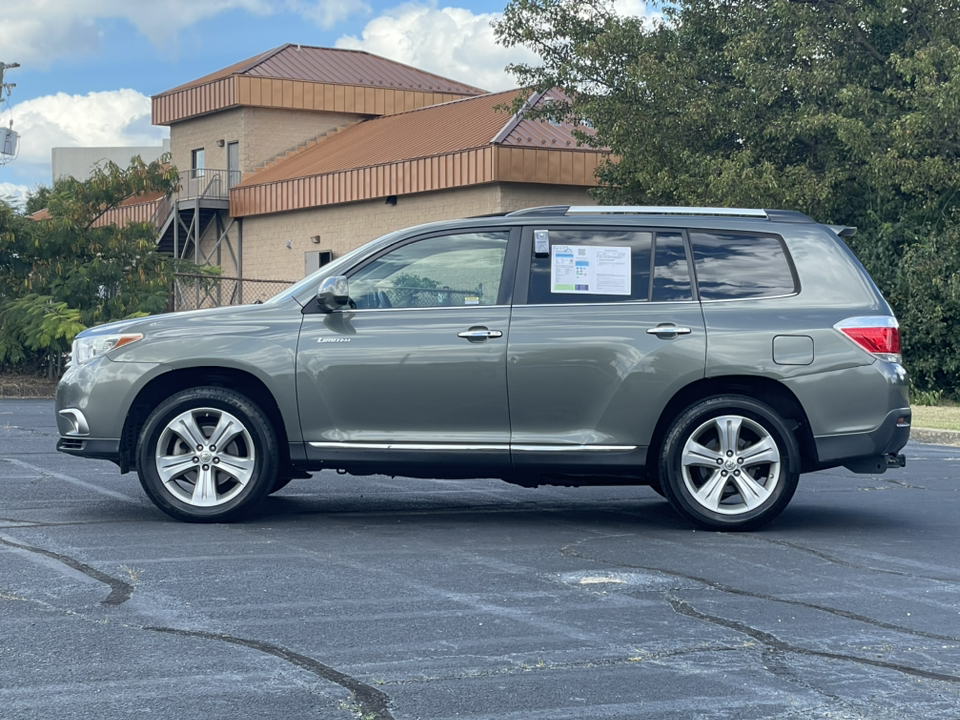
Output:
[[88, 67]]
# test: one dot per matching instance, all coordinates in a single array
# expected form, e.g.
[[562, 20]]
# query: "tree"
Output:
[[38, 198], [848, 111], [64, 273]]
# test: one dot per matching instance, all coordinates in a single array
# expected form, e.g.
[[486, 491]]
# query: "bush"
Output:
[[927, 301]]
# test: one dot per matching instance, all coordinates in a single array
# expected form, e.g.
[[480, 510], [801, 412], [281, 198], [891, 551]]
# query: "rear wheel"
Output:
[[729, 463], [207, 454]]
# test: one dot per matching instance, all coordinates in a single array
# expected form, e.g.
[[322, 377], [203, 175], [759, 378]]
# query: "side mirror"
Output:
[[333, 293]]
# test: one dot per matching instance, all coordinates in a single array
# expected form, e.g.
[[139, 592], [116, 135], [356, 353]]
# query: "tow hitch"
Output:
[[896, 461]]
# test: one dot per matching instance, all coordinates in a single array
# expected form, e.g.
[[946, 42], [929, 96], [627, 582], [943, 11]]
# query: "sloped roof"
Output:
[[338, 67], [437, 130]]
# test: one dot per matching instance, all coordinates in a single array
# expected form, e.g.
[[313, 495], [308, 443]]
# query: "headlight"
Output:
[[86, 349]]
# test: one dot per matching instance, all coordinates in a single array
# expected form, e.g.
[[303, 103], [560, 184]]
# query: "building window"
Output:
[[198, 162]]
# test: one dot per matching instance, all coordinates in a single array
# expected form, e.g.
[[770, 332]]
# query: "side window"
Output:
[[603, 265], [671, 271], [446, 271], [732, 265]]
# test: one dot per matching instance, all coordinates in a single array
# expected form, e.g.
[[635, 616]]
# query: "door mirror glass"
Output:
[[333, 293]]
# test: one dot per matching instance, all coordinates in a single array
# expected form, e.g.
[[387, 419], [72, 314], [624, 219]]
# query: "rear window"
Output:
[[734, 265]]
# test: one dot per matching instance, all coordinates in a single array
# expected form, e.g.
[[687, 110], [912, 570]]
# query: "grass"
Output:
[[938, 417]]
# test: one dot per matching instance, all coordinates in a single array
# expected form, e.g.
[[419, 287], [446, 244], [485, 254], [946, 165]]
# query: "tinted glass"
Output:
[[636, 243], [447, 271], [671, 274], [730, 265]]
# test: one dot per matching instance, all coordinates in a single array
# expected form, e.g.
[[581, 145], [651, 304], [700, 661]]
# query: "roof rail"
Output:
[[773, 215], [542, 210]]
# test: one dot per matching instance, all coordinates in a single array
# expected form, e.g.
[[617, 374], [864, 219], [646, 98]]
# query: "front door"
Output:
[[417, 370], [609, 332]]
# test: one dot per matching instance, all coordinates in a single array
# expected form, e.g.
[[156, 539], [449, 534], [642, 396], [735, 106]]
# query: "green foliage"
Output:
[[847, 111], [409, 290], [928, 296], [64, 273], [38, 198]]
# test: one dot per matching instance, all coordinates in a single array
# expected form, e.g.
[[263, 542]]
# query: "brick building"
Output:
[[303, 153]]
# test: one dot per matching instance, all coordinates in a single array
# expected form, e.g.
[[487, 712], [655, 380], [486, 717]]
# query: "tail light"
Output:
[[878, 335]]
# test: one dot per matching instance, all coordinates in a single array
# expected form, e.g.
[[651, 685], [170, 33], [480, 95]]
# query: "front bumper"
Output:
[[98, 448], [93, 400]]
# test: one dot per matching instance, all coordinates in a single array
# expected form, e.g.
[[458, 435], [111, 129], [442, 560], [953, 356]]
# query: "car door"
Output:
[[415, 373], [606, 327]]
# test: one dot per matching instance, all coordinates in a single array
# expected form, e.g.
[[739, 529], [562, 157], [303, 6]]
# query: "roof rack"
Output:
[[543, 210], [773, 215], [760, 214]]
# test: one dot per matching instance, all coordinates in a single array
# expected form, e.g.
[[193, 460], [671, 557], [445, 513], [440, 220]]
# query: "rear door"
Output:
[[606, 327]]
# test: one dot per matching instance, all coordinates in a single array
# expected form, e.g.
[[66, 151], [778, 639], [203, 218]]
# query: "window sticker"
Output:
[[590, 270]]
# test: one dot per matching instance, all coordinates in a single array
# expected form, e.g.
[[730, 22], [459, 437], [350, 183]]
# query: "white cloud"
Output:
[[637, 8], [449, 41], [38, 32], [14, 194], [453, 42], [99, 119], [327, 13]]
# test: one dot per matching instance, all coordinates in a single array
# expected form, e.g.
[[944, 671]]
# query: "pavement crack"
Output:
[[373, 703], [844, 563], [771, 641], [571, 551], [120, 591]]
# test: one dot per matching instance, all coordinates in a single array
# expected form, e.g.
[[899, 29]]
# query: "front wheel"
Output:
[[729, 463], [207, 454]]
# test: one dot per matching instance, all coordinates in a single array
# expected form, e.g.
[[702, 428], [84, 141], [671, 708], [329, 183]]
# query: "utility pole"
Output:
[[9, 139], [3, 68]]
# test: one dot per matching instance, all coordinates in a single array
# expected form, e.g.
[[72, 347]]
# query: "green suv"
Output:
[[714, 354]]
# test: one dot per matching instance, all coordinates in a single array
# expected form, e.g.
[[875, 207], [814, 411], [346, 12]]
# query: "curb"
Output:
[[930, 436]]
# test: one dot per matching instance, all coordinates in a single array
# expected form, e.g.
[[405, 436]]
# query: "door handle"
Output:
[[668, 329], [478, 334]]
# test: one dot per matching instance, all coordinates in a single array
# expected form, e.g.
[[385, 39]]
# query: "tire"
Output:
[[729, 463], [211, 483]]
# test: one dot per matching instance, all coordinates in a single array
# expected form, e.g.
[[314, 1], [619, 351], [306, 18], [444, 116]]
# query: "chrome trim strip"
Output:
[[569, 448], [638, 303], [744, 299], [421, 309], [78, 421], [405, 446], [467, 447]]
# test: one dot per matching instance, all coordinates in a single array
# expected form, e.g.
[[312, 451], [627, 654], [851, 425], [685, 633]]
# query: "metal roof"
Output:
[[336, 66], [450, 127]]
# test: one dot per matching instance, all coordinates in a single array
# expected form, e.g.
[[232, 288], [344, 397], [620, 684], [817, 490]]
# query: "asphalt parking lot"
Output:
[[384, 597]]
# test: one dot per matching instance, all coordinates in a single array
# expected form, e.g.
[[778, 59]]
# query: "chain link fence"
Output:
[[193, 292], [414, 297]]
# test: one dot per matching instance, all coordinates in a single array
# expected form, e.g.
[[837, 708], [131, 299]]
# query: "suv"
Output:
[[714, 354]]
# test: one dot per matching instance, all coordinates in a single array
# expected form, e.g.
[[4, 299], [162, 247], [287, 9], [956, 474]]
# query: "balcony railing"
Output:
[[206, 183], [201, 184]]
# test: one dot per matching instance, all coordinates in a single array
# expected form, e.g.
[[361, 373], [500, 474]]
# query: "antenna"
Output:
[[9, 138]]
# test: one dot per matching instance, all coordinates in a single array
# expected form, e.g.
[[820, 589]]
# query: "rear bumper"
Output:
[[860, 451]]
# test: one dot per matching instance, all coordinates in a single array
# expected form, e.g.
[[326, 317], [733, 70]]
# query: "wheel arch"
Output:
[[768, 391], [174, 381]]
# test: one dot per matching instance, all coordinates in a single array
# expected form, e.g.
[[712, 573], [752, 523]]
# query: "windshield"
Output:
[[336, 267]]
